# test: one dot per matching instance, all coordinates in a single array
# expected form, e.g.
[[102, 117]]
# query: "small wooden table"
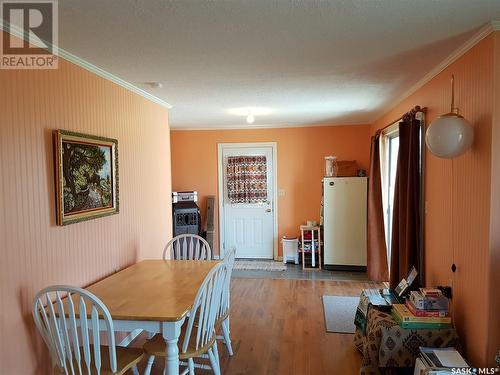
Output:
[[155, 296]]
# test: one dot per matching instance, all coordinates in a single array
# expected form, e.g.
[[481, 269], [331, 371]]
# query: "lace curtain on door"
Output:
[[247, 179]]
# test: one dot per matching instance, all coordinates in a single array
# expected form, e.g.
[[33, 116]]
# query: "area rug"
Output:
[[339, 313], [259, 265]]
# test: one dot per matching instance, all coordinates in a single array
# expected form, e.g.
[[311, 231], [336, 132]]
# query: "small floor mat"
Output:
[[339, 313], [259, 265]]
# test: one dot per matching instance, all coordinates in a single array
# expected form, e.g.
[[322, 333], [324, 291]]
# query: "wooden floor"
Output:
[[277, 327]]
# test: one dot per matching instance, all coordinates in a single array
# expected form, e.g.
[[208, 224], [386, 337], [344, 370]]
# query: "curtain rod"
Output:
[[413, 110]]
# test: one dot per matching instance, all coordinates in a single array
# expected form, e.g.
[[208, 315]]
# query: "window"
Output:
[[389, 162]]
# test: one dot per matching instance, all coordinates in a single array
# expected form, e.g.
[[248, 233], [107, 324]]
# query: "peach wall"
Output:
[[34, 251], [300, 163], [458, 194], [494, 311]]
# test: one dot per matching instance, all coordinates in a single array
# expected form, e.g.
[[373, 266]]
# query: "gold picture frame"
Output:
[[86, 176]]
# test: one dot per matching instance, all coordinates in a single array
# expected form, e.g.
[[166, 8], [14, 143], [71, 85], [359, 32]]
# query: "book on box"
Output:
[[428, 303], [406, 316], [430, 292], [418, 325], [428, 313]]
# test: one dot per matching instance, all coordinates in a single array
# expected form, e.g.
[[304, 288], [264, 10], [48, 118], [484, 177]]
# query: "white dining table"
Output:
[[154, 296]]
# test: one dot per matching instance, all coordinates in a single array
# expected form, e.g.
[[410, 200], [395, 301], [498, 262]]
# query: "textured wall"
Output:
[[458, 194], [301, 153], [494, 312], [34, 251]]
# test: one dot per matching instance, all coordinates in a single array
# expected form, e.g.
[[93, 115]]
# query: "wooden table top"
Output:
[[153, 290]]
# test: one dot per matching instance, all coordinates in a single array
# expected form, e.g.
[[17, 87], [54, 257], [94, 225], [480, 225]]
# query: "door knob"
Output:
[[268, 210]]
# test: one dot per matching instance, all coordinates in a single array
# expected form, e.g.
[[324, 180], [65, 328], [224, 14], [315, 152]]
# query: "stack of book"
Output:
[[425, 309], [406, 319]]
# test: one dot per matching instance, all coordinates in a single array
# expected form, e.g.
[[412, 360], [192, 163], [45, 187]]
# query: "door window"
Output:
[[246, 179]]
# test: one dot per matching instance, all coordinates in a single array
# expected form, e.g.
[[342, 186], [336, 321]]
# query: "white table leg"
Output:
[[171, 332], [313, 258]]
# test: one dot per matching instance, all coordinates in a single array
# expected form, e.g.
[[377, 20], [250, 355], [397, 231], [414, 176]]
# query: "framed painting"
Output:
[[86, 176]]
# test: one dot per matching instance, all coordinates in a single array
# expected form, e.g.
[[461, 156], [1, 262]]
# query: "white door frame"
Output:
[[220, 190]]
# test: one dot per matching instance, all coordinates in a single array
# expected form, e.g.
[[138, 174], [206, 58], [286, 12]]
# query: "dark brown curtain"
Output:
[[377, 250], [406, 212]]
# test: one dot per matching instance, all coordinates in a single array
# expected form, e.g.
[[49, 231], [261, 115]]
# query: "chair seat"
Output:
[[156, 346], [126, 358]]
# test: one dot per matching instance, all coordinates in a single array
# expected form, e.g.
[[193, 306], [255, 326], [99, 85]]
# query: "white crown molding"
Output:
[[482, 33], [263, 126], [68, 56]]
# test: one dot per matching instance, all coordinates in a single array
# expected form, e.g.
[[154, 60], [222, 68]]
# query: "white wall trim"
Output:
[[68, 56], [263, 126], [482, 33], [220, 190]]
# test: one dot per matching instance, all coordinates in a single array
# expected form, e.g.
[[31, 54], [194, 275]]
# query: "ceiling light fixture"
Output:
[[450, 135], [250, 113], [250, 118], [154, 85]]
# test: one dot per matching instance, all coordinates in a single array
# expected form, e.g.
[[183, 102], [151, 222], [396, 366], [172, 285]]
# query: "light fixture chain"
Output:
[[452, 94]]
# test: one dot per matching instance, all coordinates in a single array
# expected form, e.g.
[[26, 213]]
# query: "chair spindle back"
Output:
[[68, 321], [229, 263], [206, 306], [188, 247]]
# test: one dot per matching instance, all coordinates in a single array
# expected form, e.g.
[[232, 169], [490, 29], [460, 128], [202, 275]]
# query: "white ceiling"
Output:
[[310, 62]]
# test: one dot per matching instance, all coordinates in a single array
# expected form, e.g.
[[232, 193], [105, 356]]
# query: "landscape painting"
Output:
[[87, 178]]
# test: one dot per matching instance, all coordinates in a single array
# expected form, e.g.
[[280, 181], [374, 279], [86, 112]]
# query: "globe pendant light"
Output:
[[450, 135]]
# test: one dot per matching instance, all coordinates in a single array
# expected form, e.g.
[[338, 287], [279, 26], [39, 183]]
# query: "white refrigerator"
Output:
[[345, 222]]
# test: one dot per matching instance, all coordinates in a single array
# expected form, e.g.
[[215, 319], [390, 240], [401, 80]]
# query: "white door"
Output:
[[249, 226]]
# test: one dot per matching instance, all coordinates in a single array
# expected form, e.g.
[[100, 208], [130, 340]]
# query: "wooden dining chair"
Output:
[[188, 247], [197, 336], [223, 317], [68, 321]]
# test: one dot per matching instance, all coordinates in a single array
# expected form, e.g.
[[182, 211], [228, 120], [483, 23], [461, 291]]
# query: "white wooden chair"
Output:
[[223, 317], [68, 321], [197, 336], [188, 247]]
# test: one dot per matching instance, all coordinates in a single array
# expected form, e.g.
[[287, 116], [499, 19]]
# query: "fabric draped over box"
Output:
[[247, 179], [386, 347]]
